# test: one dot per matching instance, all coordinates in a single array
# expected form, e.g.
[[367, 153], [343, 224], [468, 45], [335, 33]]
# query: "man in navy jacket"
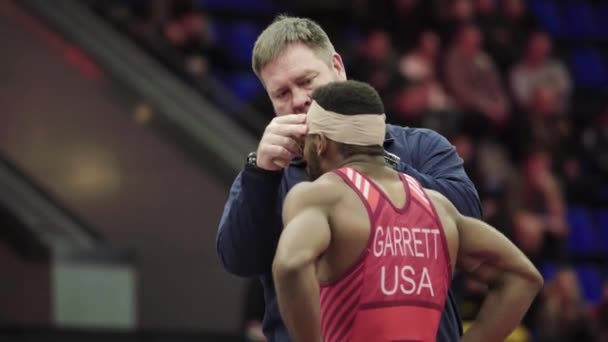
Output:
[[292, 57]]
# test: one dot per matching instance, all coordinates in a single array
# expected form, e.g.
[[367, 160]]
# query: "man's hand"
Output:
[[279, 144]]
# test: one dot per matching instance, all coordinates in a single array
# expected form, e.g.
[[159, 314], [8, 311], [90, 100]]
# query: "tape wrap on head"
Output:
[[358, 129]]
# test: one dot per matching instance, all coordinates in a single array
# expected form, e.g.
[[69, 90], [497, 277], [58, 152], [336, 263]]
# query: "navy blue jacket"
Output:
[[251, 223]]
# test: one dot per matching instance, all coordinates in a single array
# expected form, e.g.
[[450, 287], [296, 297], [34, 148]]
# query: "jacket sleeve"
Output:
[[437, 166], [250, 223]]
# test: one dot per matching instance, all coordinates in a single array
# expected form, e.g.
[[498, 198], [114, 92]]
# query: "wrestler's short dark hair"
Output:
[[351, 98]]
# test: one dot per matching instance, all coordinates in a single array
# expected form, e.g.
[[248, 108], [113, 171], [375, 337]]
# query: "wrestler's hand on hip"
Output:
[[280, 142]]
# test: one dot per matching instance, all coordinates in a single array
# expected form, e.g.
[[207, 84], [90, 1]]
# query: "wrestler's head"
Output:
[[345, 119]]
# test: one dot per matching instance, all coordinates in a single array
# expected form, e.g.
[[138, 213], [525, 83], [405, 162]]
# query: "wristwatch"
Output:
[[252, 160]]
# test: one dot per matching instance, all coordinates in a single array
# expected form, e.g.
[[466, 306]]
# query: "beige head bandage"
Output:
[[360, 129]]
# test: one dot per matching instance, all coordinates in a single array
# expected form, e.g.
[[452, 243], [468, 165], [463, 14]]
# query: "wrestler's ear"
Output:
[[321, 145]]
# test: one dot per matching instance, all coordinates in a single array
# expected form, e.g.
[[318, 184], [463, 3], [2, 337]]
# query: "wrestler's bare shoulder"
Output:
[[442, 203], [327, 189]]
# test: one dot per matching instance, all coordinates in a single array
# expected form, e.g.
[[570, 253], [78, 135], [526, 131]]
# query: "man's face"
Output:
[[539, 47], [295, 74], [471, 40], [514, 8], [312, 158], [544, 102]]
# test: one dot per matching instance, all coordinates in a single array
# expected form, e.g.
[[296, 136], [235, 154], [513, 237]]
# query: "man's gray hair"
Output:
[[284, 31]]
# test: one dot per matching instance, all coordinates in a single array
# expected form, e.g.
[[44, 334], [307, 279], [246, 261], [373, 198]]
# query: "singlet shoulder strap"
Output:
[[418, 194], [361, 185]]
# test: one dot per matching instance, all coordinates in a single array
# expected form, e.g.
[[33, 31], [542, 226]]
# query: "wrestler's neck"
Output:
[[364, 163]]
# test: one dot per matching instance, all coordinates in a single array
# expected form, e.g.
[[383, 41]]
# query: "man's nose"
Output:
[[301, 101]]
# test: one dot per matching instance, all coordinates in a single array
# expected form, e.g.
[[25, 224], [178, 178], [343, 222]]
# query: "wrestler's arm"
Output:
[[304, 239], [513, 281]]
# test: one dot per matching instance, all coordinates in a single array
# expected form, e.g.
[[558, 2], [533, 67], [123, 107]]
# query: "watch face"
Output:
[[252, 159]]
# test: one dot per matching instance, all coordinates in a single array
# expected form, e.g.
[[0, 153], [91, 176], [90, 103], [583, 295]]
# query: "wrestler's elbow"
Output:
[[286, 264], [535, 280], [529, 277]]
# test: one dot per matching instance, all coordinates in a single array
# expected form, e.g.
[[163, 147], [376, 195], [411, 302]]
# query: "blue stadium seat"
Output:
[[243, 37], [588, 68], [579, 18], [548, 270], [601, 18], [245, 85], [602, 225], [590, 281], [237, 38], [581, 239], [547, 14]]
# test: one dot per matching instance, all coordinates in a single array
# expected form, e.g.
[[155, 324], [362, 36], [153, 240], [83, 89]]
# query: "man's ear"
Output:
[[338, 66]]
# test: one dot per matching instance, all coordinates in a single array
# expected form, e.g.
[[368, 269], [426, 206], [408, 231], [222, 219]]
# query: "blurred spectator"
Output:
[[475, 83], [485, 8], [562, 314], [486, 16], [538, 68], [536, 204], [410, 103], [466, 149], [420, 64], [176, 28], [462, 11], [516, 15], [150, 17], [454, 14], [488, 166], [375, 62], [543, 126], [191, 35], [405, 19], [494, 170], [506, 30], [595, 142], [600, 313]]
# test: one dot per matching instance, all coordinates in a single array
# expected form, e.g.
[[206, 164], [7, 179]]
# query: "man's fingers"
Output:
[[288, 143], [289, 130], [280, 153], [290, 119], [280, 163], [281, 141]]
